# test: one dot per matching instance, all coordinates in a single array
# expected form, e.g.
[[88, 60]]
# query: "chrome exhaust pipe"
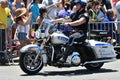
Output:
[[100, 61]]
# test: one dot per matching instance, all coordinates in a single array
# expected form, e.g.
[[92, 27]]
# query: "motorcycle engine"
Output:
[[74, 59]]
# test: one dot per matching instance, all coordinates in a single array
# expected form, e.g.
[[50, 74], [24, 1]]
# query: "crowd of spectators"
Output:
[[24, 13]]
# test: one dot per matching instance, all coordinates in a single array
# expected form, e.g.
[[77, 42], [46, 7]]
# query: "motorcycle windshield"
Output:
[[45, 24], [47, 27]]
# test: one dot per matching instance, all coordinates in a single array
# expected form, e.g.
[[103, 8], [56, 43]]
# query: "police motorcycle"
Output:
[[50, 46]]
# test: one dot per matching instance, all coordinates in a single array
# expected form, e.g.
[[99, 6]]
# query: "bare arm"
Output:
[[61, 20], [26, 22], [56, 4], [77, 22], [39, 20], [12, 19]]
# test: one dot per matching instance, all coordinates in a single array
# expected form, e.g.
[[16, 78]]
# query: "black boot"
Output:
[[62, 60], [66, 54]]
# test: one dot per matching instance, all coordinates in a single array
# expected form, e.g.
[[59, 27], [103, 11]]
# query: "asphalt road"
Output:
[[110, 71]]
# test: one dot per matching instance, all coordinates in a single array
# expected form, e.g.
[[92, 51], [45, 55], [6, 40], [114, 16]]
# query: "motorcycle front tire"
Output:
[[27, 66]]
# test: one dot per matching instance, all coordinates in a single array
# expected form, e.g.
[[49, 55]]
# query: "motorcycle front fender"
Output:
[[30, 47]]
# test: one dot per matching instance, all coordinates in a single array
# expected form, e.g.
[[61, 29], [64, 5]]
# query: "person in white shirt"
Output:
[[23, 25], [52, 6]]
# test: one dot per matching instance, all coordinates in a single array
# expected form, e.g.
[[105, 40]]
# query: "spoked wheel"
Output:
[[28, 63], [94, 66]]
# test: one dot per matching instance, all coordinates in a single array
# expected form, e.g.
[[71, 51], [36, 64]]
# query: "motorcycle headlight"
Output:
[[38, 34]]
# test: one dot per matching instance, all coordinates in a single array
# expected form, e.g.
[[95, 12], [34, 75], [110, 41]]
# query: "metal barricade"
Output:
[[98, 30], [8, 43], [5, 45]]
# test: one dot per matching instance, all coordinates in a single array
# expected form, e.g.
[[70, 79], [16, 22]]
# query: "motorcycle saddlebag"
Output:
[[102, 49]]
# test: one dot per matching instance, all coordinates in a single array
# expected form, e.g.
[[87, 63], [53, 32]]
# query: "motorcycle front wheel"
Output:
[[29, 65], [94, 66]]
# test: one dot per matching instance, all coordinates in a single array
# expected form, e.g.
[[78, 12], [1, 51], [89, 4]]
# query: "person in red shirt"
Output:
[[114, 2]]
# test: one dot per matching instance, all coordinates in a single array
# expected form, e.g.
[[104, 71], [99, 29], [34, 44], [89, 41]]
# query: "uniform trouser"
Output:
[[2, 40], [74, 37]]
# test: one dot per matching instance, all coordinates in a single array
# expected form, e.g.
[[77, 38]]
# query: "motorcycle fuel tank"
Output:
[[59, 38]]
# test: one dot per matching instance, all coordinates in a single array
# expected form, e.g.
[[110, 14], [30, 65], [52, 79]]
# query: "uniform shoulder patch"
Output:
[[86, 14]]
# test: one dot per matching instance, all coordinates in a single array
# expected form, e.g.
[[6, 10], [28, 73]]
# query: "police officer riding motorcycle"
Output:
[[79, 21], [54, 48]]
